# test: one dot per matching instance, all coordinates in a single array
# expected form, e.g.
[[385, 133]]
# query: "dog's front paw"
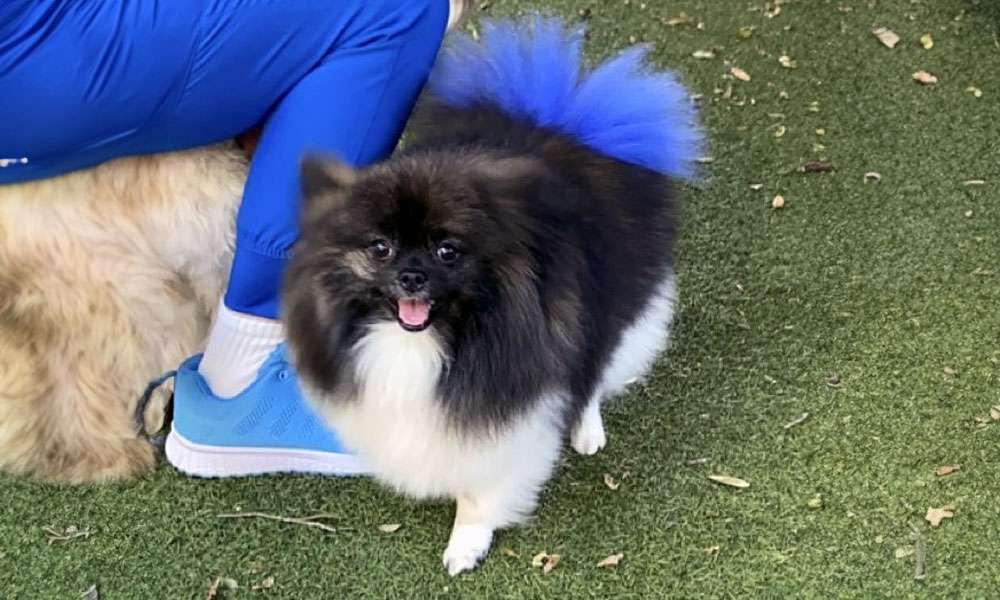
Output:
[[467, 546], [588, 436]]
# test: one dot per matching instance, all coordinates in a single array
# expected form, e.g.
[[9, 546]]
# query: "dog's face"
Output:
[[414, 240]]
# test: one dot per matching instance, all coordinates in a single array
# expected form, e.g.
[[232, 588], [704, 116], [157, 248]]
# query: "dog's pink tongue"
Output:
[[414, 312]]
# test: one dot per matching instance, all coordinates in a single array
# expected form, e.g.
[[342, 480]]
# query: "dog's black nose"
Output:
[[412, 281]]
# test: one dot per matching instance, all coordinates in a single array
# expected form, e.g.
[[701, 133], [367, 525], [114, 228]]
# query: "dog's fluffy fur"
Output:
[[108, 278], [456, 310]]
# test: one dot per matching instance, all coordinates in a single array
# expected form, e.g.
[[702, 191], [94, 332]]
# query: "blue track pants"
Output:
[[82, 82]]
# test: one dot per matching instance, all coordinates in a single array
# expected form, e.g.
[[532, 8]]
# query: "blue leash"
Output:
[[140, 411]]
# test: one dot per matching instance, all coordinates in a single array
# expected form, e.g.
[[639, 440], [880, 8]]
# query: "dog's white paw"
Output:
[[588, 436], [467, 546]]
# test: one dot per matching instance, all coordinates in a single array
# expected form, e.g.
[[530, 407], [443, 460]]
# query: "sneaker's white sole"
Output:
[[200, 460]]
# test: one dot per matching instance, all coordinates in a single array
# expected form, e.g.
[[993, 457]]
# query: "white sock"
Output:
[[238, 344]]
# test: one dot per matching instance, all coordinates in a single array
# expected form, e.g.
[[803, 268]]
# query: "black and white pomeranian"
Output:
[[454, 311]]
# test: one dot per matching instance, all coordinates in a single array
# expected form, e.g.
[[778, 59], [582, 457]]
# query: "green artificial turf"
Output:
[[848, 304]]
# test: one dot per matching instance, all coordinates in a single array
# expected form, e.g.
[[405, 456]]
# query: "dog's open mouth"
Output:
[[414, 314]]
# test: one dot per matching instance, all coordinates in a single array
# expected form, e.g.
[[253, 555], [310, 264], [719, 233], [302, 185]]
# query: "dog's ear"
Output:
[[325, 182], [321, 175]]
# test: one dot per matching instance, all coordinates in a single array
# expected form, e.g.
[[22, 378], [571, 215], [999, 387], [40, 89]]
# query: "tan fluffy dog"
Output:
[[108, 278]]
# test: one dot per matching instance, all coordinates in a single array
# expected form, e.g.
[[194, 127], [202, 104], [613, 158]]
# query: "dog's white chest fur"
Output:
[[399, 426]]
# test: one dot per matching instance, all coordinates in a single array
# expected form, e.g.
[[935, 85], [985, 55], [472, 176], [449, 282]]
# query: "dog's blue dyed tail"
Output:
[[532, 71]]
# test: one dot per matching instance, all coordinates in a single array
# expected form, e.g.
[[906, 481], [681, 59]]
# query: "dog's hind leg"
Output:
[[641, 343], [588, 434]]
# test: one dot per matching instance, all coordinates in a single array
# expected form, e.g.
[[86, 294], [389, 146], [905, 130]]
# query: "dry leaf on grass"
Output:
[[905, 551], [390, 527], [550, 564], [58, 536], [510, 552], [735, 482], [778, 202], [779, 131], [888, 38], [978, 93], [712, 550], [213, 588], [739, 73], [264, 584], [995, 413], [950, 372], [946, 470], [936, 515], [681, 19], [756, 186], [91, 593], [611, 482], [816, 166], [220, 582], [546, 561], [924, 78], [927, 41], [816, 502], [611, 561], [703, 54], [873, 177], [786, 61], [745, 33]]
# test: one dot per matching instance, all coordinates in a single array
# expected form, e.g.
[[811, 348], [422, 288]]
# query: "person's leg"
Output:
[[356, 70], [353, 103]]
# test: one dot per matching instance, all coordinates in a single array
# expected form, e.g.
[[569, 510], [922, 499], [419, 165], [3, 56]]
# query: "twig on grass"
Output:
[[310, 521], [920, 560], [797, 421]]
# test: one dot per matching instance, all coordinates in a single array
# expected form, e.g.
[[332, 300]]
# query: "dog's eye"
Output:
[[447, 253], [381, 249]]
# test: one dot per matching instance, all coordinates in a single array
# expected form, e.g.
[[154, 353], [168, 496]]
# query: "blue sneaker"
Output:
[[268, 428]]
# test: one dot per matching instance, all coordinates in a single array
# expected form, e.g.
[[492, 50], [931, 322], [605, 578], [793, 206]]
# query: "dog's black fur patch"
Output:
[[560, 249]]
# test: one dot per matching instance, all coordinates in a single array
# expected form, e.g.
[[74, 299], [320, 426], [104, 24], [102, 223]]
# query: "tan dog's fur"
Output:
[[108, 278]]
